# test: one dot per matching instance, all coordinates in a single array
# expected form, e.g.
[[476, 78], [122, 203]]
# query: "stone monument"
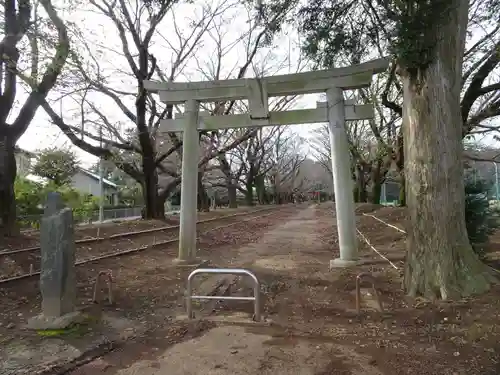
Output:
[[57, 275]]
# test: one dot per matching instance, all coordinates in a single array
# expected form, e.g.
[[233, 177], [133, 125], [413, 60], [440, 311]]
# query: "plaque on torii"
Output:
[[335, 111]]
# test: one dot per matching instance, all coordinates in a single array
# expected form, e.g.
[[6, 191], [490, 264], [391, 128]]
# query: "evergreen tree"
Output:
[[480, 218]]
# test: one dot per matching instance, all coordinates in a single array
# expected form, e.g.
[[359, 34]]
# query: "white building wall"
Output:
[[23, 163], [88, 185]]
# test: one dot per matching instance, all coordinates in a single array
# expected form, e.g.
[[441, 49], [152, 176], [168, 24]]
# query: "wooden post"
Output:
[[342, 181], [189, 183]]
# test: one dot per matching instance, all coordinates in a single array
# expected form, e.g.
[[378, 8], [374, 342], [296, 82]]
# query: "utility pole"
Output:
[[101, 183], [496, 180]]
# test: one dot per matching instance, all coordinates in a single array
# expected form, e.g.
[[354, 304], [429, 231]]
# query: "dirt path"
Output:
[[236, 346], [233, 350], [284, 248]]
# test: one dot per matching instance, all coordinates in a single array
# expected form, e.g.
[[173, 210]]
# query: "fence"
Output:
[[33, 221], [116, 213]]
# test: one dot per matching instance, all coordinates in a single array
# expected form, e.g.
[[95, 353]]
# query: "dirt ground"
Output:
[[21, 263], [31, 237], [142, 283], [310, 323]]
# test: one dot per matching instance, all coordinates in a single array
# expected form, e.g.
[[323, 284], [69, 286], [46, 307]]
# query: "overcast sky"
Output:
[[281, 58]]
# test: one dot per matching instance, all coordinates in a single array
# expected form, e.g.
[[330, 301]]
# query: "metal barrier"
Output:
[[109, 278], [227, 271], [371, 279]]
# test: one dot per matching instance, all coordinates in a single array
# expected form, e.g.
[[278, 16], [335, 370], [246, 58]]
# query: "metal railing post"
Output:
[[189, 299], [371, 279], [227, 271]]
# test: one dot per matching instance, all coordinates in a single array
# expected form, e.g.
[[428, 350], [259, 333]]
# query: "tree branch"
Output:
[[385, 100], [473, 92]]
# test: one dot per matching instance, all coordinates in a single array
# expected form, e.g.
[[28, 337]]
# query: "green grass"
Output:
[[74, 330]]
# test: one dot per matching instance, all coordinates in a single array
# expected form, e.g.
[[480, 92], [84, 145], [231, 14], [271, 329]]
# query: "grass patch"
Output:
[[78, 329]]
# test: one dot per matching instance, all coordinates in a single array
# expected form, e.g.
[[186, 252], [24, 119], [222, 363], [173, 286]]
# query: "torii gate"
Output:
[[257, 90]]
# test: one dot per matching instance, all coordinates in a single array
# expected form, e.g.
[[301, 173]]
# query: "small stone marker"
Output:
[[57, 276]]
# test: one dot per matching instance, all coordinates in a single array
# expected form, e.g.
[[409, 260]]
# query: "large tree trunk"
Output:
[[152, 200], [260, 189], [203, 198], [231, 194], [249, 185], [377, 179], [402, 189], [160, 209], [440, 261], [360, 184], [399, 156], [150, 190], [230, 181], [376, 191], [249, 194], [8, 225], [355, 192]]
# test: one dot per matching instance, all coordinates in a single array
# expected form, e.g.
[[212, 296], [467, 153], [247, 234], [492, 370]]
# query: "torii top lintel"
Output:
[[352, 77]]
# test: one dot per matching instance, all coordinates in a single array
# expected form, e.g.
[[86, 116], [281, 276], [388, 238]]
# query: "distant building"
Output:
[[83, 181], [23, 161], [390, 189], [88, 183]]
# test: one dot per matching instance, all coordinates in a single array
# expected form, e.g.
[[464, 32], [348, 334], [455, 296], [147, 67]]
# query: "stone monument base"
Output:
[[192, 262], [340, 263], [42, 322]]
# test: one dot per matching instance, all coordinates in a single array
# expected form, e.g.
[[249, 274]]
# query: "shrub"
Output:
[[480, 218], [83, 205], [31, 197]]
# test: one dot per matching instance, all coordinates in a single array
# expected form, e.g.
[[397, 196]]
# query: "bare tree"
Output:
[[259, 60], [283, 166], [113, 98], [23, 21], [320, 145], [266, 164]]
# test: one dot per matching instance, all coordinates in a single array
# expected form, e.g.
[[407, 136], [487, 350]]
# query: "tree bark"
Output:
[[355, 193], [203, 198], [231, 194], [378, 172], [376, 191], [402, 189], [8, 171], [150, 189], [360, 184], [440, 262], [249, 185], [260, 189], [249, 193], [160, 208], [399, 158], [230, 181], [151, 196]]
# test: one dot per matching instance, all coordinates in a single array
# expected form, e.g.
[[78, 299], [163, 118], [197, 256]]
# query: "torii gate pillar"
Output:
[[189, 184], [342, 181]]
